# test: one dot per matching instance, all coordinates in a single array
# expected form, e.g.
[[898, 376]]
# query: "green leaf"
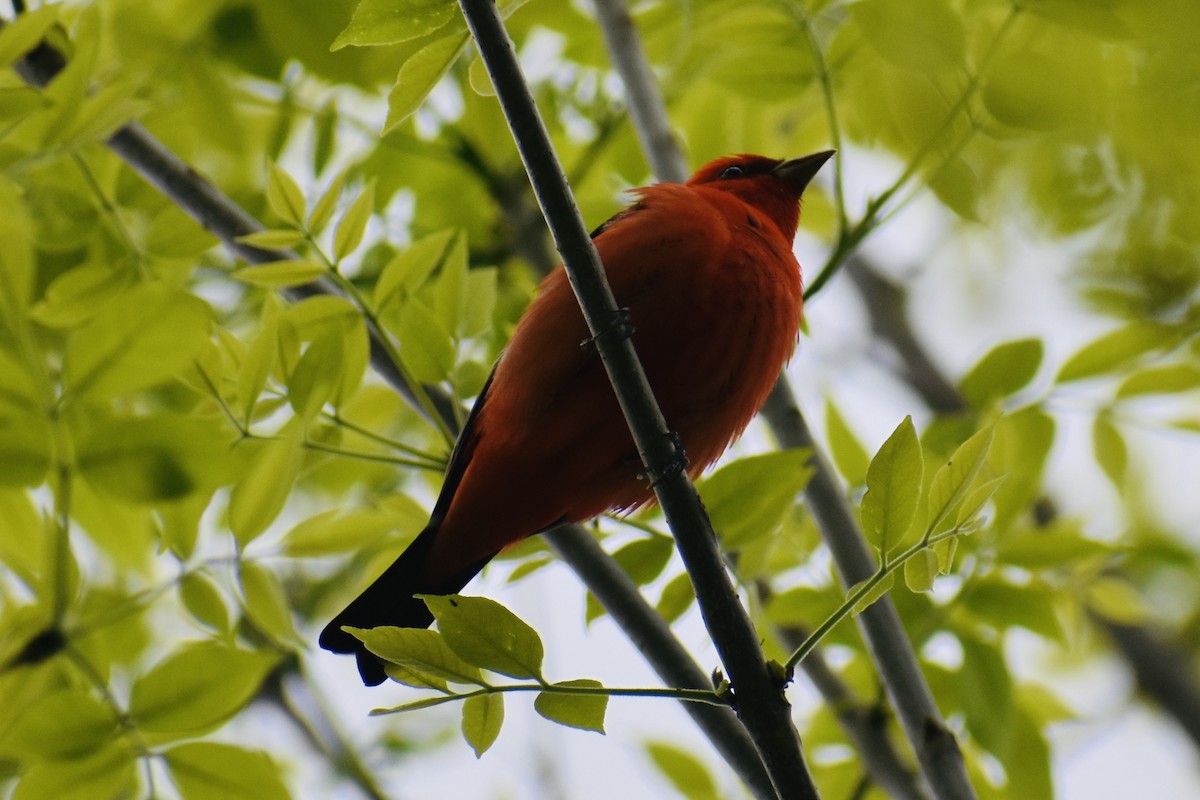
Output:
[[945, 550], [487, 634], [408, 269], [323, 210], [1160, 380], [203, 600], [919, 571], [213, 771], [353, 225], [1109, 446], [1019, 452], [197, 687], [748, 498], [64, 724], [585, 712], [893, 488], [267, 604], [259, 496], [1029, 88], [1002, 372], [1049, 548], [878, 591], [316, 375], [449, 291], [676, 598], [958, 187], [977, 498], [108, 773], [154, 459], [986, 692], [848, 453], [477, 76], [258, 359], [426, 346], [645, 559], [26, 449], [686, 772], [140, 340], [922, 35], [482, 718], [1117, 348], [1116, 599], [1028, 766], [325, 129], [22, 34], [1002, 605], [278, 239], [480, 303], [419, 75], [284, 197], [280, 274], [340, 531], [954, 478], [424, 655], [378, 22]]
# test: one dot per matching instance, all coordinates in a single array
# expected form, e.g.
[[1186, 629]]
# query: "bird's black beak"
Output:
[[797, 172]]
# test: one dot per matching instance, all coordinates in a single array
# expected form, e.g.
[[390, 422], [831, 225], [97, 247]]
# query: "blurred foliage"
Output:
[[194, 474]]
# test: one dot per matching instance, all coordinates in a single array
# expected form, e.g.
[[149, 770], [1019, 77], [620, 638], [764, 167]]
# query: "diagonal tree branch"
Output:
[[937, 750], [761, 705]]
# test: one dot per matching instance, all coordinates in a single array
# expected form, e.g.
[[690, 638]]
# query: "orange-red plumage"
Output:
[[714, 293]]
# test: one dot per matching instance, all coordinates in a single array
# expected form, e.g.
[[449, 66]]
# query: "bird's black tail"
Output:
[[389, 601]]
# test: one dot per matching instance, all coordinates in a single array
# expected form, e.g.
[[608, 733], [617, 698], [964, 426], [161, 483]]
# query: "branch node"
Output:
[[620, 327]]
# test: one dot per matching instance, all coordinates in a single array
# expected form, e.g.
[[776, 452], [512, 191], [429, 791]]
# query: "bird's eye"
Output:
[[733, 172]]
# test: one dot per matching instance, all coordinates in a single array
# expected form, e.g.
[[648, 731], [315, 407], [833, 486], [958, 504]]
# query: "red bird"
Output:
[[713, 289]]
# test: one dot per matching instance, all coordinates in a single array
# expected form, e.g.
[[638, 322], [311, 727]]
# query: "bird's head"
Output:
[[769, 184]]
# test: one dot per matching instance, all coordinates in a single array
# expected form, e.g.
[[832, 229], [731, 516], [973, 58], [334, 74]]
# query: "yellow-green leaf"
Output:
[[424, 654], [279, 274], [687, 773], [197, 687], [419, 75], [925, 35], [920, 570], [1116, 349], [893, 488], [107, 773], [214, 771], [267, 603], [1004, 370], [284, 196], [377, 22], [876, 592], [146, 336], [353, 225], [482, 718], [848, 453], [323, 210], [64, 724], [1109, 446], [585, 712], [259, 496], [278, 239], [409, 268], [954, 478], [484, 633], [22, 34]]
